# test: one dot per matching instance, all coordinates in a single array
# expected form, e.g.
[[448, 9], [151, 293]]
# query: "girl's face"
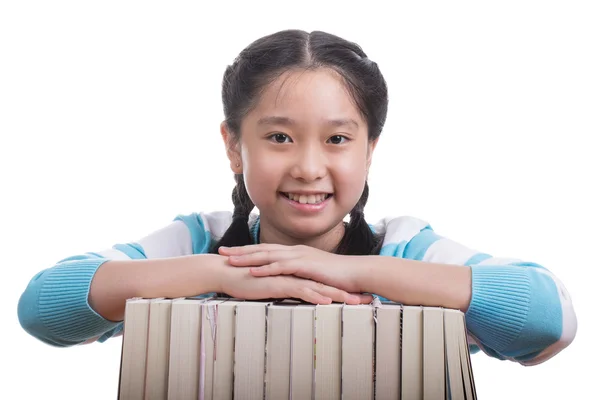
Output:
[[305, 155]]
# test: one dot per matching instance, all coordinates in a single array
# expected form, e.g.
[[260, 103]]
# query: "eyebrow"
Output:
[[274, 120]]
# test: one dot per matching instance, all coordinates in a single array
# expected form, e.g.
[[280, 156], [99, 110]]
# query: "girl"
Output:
[[303, 114]]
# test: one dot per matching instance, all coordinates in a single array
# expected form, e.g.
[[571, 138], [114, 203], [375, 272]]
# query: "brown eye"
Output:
[[337, 139], [279, 137]]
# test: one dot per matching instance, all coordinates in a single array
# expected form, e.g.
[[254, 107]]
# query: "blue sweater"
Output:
[[519, 310]]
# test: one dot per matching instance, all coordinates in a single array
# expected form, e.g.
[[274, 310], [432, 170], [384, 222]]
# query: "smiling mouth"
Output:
[[307, 199]]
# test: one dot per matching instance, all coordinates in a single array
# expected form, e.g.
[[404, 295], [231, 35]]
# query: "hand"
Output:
[[306, 262], [239, 282]]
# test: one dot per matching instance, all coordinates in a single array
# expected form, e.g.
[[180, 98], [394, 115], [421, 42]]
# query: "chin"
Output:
[[308, 230]]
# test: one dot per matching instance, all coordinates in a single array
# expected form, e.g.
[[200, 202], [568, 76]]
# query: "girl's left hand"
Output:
[[306, 262]]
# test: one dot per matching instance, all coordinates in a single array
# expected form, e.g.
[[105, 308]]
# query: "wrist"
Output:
[[184, 276], [212, 272], [413, 282], [363, 272]]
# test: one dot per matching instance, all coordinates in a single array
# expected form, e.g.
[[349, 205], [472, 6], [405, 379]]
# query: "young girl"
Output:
[[303, 114]]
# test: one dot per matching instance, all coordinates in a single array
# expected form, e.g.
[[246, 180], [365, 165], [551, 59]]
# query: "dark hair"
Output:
[[260, 64]]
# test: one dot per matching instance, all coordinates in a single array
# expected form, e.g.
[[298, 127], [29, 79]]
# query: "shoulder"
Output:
[[400, 228], [208, 227], [397, 232]]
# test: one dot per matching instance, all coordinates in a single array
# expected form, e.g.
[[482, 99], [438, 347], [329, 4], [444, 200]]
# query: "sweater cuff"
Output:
[[55, 306], [500, 304]]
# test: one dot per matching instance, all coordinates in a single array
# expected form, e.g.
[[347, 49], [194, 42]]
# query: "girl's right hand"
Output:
[[239, 282]]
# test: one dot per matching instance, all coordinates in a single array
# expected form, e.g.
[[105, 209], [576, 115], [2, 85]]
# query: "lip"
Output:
[[306, 208], [307, 192]]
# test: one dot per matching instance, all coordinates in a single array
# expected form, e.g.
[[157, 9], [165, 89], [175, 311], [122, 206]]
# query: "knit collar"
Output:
[[255, 231]]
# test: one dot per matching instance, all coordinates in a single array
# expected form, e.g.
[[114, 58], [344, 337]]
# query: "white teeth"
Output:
[[307, 199]]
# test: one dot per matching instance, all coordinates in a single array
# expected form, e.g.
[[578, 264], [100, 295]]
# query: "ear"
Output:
[[370, 149], [232, 148]]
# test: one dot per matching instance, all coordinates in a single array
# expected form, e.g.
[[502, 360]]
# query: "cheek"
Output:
[[260, 174], [350, 179], [352, 167]]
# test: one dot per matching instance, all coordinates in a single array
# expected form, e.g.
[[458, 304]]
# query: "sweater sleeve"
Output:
[[54, 306], [519, 310]]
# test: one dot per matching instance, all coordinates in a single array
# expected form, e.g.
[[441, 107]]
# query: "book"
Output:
[[223, 348]]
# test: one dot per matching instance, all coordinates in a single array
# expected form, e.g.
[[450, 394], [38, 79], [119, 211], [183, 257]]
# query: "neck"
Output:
[[327, 241]]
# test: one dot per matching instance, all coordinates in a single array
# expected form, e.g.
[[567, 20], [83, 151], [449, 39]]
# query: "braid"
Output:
[[358, 238], [238, 233]]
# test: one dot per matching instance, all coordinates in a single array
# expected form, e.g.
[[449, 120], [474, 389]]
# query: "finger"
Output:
[[335, 294], [238, 250], [260, 258], [275, 268], [363, 298], [311, 296], [297, 288], [251, 248]]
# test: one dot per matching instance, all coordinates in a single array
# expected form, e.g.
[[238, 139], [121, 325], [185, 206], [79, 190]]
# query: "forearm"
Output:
[[415, 282], [116, 281]]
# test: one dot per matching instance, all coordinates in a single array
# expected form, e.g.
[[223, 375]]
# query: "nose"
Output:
[[310, 164]]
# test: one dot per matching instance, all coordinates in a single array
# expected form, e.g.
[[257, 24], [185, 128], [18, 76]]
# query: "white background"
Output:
[[109, 123]]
